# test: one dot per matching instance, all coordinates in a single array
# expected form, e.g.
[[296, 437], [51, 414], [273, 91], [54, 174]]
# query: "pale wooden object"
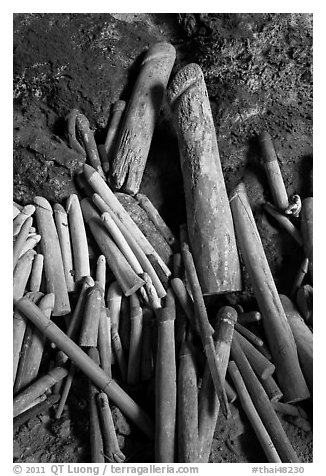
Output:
[[19, 220], [21, 240], [21, 273], [306, 222], [212, 241], [253, 416], [277, 329], [35, 279], [263, 367], [136, 320], [53, 265], [89, 329], [273, 172], [140, 117], [30, 243], [113, 300], [78, 238], [61, 221], [104, 341], [115, 121]]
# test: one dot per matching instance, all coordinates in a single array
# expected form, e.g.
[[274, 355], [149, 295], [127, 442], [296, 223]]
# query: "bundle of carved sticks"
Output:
[[139, 318]]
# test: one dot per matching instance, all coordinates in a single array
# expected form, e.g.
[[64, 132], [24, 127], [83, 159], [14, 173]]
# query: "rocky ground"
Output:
[[258, 71]]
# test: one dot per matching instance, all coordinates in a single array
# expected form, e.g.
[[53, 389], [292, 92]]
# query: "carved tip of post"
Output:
[[48, 301], [184, 79], [72, 200], [119, 106], [160, 50], [42, 202], [57, 208], [264, 137], [114, 292], [228, 312], [240, 189], [89, 171]]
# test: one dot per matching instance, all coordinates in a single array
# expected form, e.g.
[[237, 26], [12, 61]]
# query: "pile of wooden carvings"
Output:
[[141, 317]]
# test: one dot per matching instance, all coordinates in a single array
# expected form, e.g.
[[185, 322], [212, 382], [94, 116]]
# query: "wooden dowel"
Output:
[[112, 452], [249, 317], [205, 327], [136, 320], [50, 247], [253, 416], [104, 341], [263, 406], [21, 240], [36, 273], [129, 281], [271, 388], [133, 244], [25, 213], [218, 267], [303, 338], [147, 364], [277, 329], [156, 218], [121, 242], [188, 444], [34, 411], [140, 117], [78, 238], [111, 136], [208, 403], [96, 438], [30, 243], [273, 171], [61, 222], [87, 137], [113, 299], [20, 324], [32, 361], [89, 329], [232, 396], [101, 272], [262, 366], [249, 335], [27, 396], [21, 274], [304, 302], [165, 385], [284, 222], [65, 391], [306, 224], [101, 188], [186, 302], [90, 369], [303, 270]]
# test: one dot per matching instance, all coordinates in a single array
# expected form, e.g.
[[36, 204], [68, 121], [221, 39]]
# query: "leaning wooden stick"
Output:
[[104, 341], [29, 370], [284, 222], [53, 265], [141, 257], [212, 241], [89, 329], [262, 366], [21, 240], [208, 403], [254, 418], [186, 302], [165, 385], [32, 412], [306, 222], [188, 444], [263, 406], [277, 329], [87, 137], [205, 328], [156, 218], [101, 272], [96, 439], [101, 188], [21, 274], [36, 273], [249, 317], [271, 388], [147, 364], [249, 335], [112, 452], [303, 338], [78, 238], [65, 391], [129, 281], [61, 221], [27, 396], [90, 369], [140, 117], [30, 243], [113, 299], [112, 133], [136, 320], [273, 172]]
